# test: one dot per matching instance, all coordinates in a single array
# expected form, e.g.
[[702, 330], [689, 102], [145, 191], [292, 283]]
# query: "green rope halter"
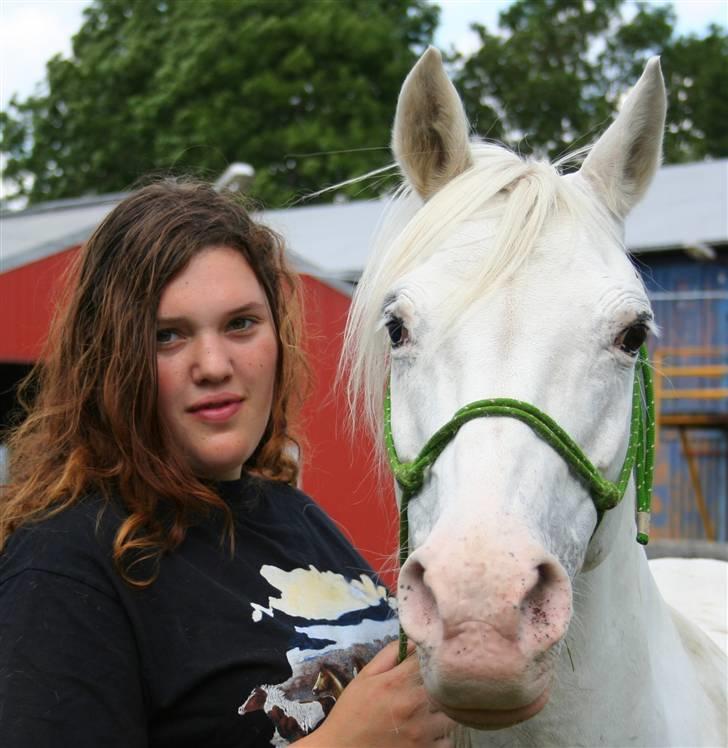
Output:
[[606, 495]]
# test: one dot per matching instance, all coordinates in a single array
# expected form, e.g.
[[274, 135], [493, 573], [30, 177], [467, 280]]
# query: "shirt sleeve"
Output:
[[69, 669]]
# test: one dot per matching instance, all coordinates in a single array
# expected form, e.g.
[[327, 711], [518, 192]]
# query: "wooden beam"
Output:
[[695, 393], [697, 420], [697, 488], [703, 350], [707, 370]]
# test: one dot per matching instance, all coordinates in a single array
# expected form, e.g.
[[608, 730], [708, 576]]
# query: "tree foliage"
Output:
[[305, 91], [194, 86], [551, 78], [698, 102]]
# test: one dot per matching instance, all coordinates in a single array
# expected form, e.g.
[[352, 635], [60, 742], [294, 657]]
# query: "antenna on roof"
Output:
[[236, 178], [699, 251]]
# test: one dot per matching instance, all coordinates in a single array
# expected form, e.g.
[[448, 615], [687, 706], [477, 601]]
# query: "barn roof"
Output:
[[687, 205], [43, 230]]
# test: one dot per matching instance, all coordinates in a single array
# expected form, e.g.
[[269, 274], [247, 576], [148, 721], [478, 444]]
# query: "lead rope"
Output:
[[606, 495], [645, 459]]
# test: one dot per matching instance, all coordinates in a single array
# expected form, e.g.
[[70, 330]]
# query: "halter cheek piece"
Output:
[[605, 494]]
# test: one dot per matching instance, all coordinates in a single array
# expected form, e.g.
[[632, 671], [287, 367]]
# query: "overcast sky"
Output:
[[32, 31]]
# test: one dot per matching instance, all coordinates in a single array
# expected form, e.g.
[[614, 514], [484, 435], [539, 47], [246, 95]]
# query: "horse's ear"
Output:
[[623, 161], [430, 134]]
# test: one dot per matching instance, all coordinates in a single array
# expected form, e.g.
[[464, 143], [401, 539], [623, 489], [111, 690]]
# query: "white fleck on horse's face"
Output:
[[502, 525]]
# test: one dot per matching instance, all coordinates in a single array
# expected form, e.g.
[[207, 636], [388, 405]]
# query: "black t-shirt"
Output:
[[244, 649]]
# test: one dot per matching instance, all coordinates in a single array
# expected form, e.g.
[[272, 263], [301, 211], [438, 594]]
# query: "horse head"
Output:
[[505, 279]]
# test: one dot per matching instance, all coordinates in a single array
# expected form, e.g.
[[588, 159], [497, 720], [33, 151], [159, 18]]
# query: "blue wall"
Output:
[[690, 321]]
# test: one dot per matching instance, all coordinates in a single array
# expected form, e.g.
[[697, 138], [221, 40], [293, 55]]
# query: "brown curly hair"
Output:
[[93, 424]]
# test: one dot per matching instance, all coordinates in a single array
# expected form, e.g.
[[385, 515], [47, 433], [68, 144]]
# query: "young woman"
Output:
[[162, 581]]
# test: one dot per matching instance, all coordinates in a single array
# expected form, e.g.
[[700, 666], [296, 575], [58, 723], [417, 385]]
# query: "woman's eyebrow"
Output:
[[252, 307]]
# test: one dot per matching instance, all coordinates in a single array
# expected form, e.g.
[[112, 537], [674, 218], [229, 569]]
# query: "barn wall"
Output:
[[338, 468], [690, 300], [27, 299]]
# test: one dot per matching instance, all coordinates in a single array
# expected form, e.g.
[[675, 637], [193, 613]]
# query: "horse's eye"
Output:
[[631, 339], [397, 331]]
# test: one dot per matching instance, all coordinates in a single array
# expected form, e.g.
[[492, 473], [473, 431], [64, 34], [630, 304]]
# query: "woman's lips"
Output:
[[217, 412]]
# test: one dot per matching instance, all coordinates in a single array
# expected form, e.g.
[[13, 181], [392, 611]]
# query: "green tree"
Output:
[[550, 80], [193, 86], [698, 97]]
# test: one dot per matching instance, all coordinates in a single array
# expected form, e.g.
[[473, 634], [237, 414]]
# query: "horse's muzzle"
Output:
[[485, 623]]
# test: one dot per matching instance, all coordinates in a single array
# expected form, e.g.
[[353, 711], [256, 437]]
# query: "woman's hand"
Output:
[[385, 706]]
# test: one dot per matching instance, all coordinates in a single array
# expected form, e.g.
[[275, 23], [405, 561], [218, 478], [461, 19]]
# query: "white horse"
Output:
[[534, 619]]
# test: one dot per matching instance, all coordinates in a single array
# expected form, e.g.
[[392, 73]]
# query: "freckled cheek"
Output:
[[266, 372], [168, 387], [265, 364]]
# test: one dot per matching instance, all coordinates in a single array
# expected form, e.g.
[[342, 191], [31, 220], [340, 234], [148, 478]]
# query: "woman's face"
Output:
[[217, 351]]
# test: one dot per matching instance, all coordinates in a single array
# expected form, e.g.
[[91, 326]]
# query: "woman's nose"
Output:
[[212, 362]]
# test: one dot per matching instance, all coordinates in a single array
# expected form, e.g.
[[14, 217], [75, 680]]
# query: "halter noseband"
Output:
[[605, 494]]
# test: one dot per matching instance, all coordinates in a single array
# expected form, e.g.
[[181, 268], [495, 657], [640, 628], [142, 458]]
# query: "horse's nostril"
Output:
[[546, 574], [412, 574], [541, 604], [417, 605]]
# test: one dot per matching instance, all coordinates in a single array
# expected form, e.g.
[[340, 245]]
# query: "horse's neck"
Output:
[[624, 676], [621, 634], [631, 675]]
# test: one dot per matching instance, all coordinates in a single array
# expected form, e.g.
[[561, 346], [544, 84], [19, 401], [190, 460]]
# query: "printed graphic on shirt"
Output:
[[338, 625]]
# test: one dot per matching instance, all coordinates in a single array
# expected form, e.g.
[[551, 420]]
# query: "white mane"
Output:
[[524, 194]]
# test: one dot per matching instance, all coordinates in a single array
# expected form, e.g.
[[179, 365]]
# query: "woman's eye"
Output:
[[165, 337], [631, 340], [397, 331], [240, 324]]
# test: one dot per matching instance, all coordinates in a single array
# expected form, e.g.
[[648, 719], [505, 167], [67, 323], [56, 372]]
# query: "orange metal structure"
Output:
[[672, 366]]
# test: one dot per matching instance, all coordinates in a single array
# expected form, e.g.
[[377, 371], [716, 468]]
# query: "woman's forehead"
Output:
[[216, 276]]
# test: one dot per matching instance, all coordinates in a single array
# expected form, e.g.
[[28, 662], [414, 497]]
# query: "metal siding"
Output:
[[27, 302], [675, 512], [690, 322], [338, 467]]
